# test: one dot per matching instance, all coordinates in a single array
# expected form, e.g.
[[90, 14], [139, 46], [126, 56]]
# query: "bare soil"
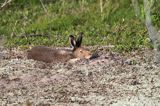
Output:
[[112, 79]]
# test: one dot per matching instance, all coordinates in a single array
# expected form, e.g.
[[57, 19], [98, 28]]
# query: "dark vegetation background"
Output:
[[50, 22]]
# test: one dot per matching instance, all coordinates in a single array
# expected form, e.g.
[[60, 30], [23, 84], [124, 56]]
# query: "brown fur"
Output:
[[46, 54]]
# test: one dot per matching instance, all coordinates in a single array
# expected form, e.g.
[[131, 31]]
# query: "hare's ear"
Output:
[[72, 41], [79, 40]]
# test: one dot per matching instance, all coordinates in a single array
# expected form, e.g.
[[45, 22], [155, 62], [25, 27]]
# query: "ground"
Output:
[[112, 79]]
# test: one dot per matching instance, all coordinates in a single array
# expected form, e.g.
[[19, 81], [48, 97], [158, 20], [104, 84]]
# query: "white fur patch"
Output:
[[74, 60], [62, 52]]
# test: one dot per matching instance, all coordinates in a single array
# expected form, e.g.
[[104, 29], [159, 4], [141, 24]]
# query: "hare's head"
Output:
[[78, 51]]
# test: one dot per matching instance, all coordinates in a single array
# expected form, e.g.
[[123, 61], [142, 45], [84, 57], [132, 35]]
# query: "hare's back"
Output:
[[41, 53], [46, 54]]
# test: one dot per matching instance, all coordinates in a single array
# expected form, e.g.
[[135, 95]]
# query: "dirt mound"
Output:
[[111, 79]]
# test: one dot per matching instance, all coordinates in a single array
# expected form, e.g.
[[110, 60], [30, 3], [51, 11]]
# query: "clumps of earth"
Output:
[[112, 79]]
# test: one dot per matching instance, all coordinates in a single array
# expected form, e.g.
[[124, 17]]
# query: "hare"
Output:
[[46, 54]]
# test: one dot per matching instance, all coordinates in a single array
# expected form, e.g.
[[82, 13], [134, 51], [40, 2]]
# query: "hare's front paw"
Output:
[[74, 60]]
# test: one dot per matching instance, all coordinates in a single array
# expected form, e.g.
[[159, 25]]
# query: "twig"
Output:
[[33, 35], [5, 4], [43, 6], [136, 7], [101, 6], [13, 31]]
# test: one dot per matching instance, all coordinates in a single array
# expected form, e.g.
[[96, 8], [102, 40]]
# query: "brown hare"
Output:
[[46, 54]]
